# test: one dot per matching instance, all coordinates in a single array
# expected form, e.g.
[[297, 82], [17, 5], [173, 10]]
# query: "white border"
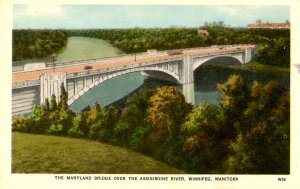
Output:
[[8, 180]]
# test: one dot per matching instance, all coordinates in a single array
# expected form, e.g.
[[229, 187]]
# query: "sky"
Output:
[[51, 16]]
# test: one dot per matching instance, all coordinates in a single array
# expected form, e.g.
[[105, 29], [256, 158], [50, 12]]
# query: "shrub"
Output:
[[75, 130], [120, 133], [55, 129], [137, 138], [21, 124]]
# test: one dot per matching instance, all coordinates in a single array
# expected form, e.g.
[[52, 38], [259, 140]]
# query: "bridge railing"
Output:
[[106, 59], [17, 68], [130, 56], [121, 57], [119, 68], [25, 83]]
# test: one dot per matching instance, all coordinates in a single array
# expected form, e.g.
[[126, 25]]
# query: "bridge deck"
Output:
[[21, 76]]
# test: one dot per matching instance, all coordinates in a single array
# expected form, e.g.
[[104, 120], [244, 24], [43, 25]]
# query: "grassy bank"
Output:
[[256, 67], [51, 154]]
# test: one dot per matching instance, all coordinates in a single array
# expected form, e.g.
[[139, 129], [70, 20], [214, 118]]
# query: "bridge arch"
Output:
[[116, 74], [224, 59]]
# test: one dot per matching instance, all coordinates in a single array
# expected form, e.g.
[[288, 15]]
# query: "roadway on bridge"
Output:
[[121, 62]]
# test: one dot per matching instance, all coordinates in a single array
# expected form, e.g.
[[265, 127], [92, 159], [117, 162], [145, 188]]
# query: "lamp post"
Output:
[[53, 60], [135, 48]]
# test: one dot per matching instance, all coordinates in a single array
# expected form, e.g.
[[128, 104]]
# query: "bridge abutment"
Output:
[[50, 84]]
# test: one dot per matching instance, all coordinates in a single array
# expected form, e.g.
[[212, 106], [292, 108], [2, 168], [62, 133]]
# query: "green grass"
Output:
[[81, 48], [52, 154]]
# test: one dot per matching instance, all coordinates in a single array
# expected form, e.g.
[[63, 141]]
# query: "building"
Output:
[[260, 24], [203, 32]]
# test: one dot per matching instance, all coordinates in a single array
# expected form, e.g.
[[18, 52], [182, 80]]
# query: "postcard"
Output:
[[153, 94]]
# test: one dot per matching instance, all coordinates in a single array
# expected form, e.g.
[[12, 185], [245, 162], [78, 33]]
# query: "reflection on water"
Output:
[[116, 91]]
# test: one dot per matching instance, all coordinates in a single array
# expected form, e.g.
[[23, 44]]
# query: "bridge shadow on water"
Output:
[[117, 90]]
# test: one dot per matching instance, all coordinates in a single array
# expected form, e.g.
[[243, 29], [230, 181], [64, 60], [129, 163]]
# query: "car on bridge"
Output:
[[87, 67], [174, 52]]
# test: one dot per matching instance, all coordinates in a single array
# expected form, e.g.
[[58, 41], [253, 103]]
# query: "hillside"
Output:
[[51, 154]]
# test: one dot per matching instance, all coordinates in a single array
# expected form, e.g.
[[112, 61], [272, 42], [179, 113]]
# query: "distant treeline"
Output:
[[275, 43], [29, 44]]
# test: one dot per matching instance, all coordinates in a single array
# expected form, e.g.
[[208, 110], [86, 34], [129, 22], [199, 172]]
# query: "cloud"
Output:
[[233, 11], [44, 10]]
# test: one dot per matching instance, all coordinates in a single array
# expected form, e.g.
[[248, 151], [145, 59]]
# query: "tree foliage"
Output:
[[166, 113], [140, 40], [203, 141], [235, 96], [274, 49], [168, 108], [28, 44], [262, 144], [275, 52], [248, 132]]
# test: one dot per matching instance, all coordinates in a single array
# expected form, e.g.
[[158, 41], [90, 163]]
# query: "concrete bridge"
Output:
[[34, 86]]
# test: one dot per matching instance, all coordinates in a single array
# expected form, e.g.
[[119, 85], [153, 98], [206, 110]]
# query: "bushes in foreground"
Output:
[[247, 133]]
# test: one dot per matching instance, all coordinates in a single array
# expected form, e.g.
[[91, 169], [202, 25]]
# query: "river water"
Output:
[[116, 91]]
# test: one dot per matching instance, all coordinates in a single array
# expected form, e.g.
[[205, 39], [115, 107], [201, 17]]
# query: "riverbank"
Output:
[[258, 68]]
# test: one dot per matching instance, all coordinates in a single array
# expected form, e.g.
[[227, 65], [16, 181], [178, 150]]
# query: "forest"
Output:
[[248, 133], [274, 46], [29, 44]]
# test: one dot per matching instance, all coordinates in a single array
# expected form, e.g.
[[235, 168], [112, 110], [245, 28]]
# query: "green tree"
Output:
[[46, 107], [63, 103], [166, 113], [133, 127], [53, 105], [76, 130], [103, 129], [65, 114], [168, 109], [28, 44], [136, 108], [262, 144], [275, 52], [235, 98], [204, 148], [60, 117]]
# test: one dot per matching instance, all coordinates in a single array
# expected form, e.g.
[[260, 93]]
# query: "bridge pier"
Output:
[[189, 92], [248, 55], [187, 79]]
